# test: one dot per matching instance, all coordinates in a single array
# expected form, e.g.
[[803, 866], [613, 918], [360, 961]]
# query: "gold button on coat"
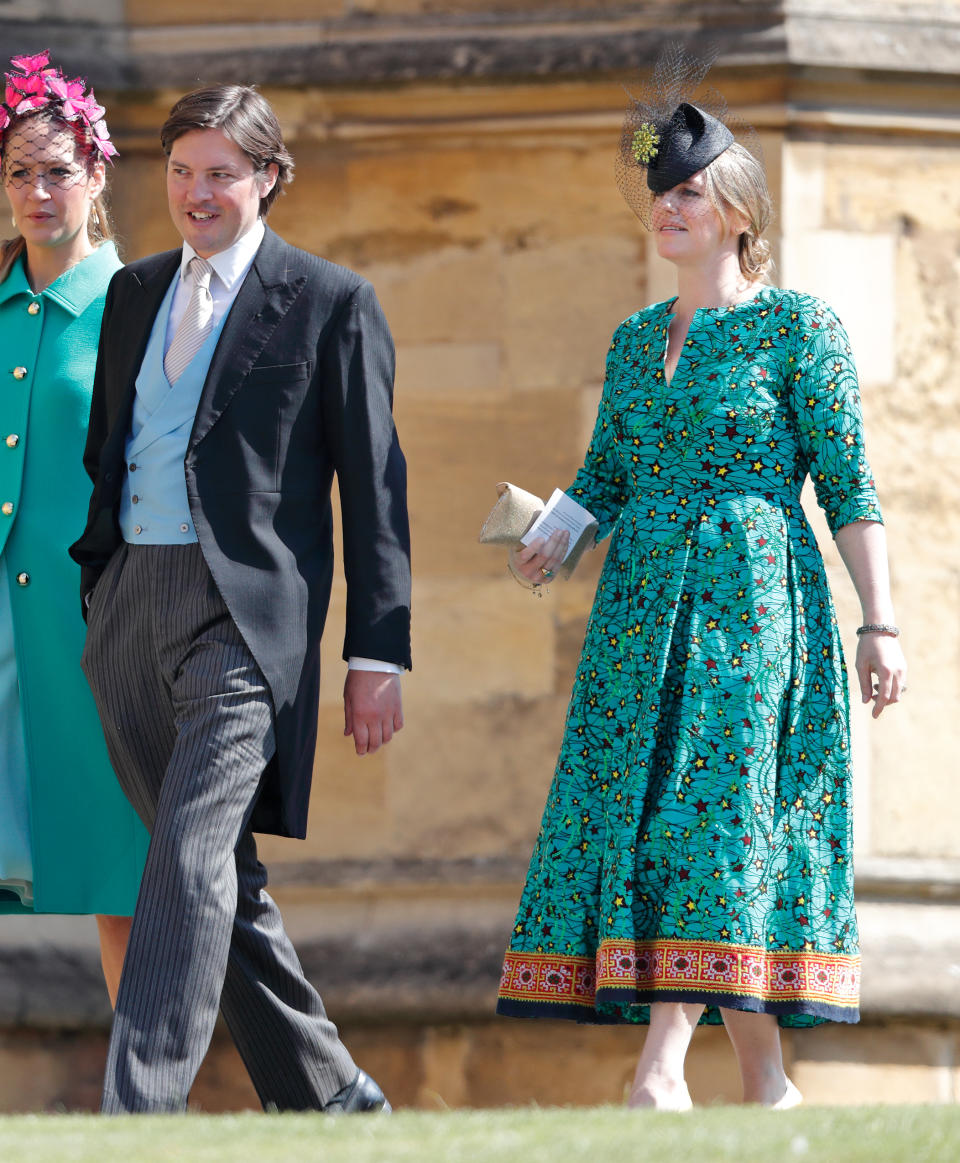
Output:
[[23, 579], [13, 440], [19, 373], [6, 508], [33, 309]]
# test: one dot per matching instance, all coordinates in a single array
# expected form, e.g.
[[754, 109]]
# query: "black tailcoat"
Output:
[[300, 387]]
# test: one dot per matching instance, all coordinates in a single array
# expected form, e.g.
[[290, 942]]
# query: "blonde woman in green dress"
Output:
[[694, 861], [69, 841]]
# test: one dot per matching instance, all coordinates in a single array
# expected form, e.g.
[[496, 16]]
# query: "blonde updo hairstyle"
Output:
[[735, 180]]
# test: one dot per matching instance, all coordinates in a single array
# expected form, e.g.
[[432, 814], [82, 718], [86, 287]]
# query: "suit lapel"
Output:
[[261, 303]]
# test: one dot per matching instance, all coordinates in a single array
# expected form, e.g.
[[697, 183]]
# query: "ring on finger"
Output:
[[546, 572]]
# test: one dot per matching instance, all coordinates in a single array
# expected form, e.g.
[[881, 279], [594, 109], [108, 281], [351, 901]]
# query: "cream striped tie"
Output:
[[195, 325]]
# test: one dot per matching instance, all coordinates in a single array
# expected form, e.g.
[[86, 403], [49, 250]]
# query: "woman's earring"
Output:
[[95, 216], [13, 219]]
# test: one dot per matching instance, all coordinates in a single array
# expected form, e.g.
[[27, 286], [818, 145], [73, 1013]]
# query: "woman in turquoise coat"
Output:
[[69, 841]]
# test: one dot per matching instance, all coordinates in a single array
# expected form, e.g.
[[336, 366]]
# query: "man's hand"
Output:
[[372, 708]]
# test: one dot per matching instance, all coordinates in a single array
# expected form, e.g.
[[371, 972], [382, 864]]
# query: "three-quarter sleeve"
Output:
[[825, 396], [599, 485]]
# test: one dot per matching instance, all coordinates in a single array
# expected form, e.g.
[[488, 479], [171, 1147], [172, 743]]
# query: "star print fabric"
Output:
[[696, 841]]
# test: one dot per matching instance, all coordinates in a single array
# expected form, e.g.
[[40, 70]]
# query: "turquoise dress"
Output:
[[69, 840], [696, 840]]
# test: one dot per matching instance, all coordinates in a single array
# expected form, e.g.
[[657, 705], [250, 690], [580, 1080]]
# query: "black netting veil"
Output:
[[39, 148], [673, 128]]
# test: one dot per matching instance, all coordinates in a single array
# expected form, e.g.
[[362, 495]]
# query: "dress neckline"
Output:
[[763, 290], [701, 312]]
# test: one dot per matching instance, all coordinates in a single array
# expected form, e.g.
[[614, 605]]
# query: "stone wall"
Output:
[[474, 187]]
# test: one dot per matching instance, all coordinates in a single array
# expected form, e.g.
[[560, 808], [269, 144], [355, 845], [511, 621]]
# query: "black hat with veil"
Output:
[[672, 131]]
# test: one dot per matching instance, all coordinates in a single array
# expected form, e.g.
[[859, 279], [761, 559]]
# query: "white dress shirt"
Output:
[[230, 268]]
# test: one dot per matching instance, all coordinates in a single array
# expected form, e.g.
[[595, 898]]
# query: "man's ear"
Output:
[[268, 179]]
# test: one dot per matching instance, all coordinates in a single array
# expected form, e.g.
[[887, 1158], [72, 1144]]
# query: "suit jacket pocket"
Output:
[[281, 373]]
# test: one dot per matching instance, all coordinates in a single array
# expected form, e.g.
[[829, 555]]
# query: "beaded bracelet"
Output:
[[879, 628]]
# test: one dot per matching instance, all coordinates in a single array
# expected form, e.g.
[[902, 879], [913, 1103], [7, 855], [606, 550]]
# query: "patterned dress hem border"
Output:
[[626, 973], [621, 1002]]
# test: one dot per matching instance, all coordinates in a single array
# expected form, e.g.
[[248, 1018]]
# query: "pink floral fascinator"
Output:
[[33, 84]]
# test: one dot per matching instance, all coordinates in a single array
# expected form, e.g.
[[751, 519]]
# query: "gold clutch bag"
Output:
[[514, 513]]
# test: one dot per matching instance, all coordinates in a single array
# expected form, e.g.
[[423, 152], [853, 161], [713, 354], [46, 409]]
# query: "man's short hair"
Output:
[[246, 118]]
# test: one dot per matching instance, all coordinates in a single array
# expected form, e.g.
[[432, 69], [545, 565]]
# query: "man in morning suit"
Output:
[[236, 376]]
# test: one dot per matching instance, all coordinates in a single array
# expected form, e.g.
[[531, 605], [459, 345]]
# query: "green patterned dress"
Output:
[[696, 841]]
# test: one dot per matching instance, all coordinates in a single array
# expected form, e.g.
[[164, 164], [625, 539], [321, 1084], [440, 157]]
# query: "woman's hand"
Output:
[[881, 667], [538, 561], [882, 670]]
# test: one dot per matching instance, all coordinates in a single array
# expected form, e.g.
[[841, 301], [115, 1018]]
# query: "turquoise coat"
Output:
[[87, 844]]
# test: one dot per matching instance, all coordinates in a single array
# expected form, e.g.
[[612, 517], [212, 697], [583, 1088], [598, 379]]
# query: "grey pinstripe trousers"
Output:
[[188, 720]]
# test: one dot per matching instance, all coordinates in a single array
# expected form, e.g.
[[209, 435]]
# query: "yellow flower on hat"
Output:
[[644, 144]]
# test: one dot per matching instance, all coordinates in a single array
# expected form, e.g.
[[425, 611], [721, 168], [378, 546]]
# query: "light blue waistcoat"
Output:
[[157, 442]]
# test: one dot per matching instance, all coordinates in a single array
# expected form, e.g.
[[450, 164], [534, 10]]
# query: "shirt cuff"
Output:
[[354, 663]]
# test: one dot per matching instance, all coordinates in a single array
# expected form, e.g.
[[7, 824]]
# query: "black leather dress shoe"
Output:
[[360, 1097]]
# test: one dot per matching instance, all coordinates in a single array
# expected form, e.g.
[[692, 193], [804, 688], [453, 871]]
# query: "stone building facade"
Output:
[[459, 153]]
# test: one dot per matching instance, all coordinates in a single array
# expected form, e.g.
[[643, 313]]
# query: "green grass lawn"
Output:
[[893, 1134]]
